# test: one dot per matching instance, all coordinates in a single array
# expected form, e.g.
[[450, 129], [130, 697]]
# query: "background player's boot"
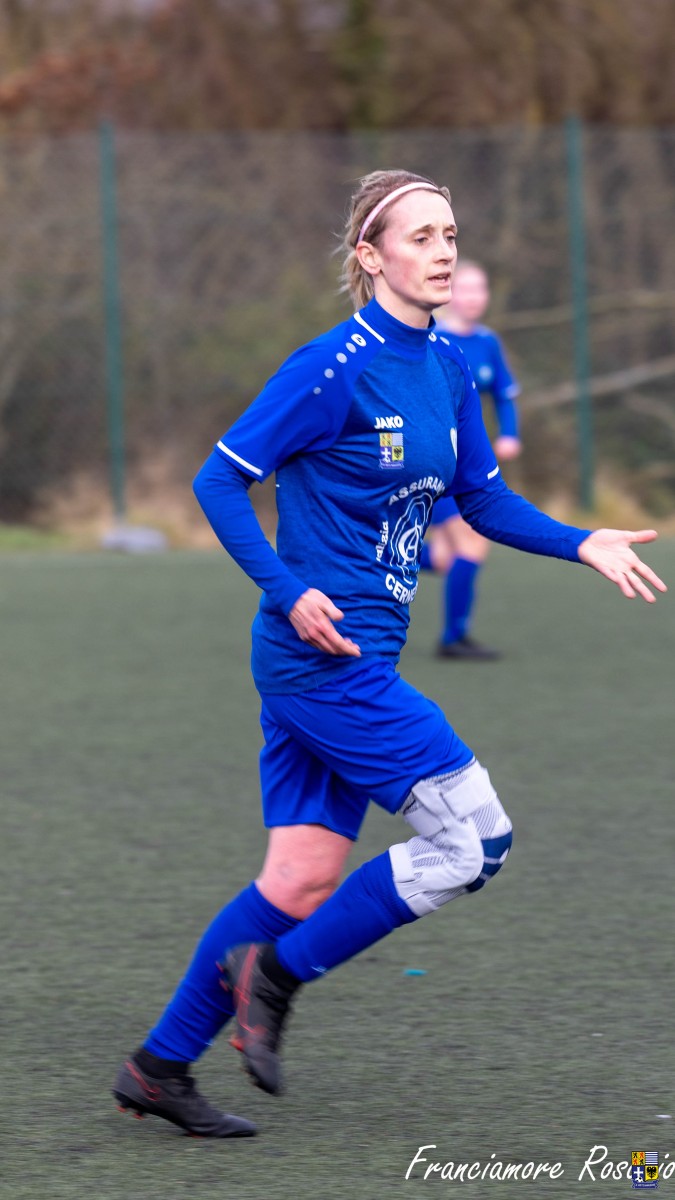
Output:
[[467, 647], [175, 1098], [262, 991]]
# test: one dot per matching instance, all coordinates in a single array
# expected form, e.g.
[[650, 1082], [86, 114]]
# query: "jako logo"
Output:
[[389, 423]]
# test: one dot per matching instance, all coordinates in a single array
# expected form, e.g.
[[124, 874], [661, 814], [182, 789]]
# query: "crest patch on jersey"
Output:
[[391, 450]]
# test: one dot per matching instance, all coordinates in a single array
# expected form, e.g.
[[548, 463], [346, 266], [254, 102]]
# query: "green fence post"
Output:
[[114, 370], [578, 267]]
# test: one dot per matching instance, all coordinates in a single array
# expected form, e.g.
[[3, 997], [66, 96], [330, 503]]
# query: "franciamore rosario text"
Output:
[[598, 1166]]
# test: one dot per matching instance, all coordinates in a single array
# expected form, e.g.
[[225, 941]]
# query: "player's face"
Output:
[[413, 263], [470, 294]]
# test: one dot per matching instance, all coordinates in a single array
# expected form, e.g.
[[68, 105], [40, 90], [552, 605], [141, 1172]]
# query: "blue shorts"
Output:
[[443, 510], [364, 735]]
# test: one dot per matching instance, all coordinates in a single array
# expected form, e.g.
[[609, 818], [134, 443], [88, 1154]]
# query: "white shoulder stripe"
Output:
[[359, 318], [242, 461], [491, 474]]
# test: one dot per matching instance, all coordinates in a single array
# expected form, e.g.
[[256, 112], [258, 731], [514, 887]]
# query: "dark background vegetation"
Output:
[[240, 128], [335, 64]]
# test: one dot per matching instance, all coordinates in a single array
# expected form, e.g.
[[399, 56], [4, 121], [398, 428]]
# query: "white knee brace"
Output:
[[464, 837]]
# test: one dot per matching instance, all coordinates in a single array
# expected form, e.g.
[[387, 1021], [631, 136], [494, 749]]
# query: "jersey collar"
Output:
[[394, 333]]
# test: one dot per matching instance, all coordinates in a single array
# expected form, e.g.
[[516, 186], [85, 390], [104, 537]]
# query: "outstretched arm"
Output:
[[492, 509], [503, 516]]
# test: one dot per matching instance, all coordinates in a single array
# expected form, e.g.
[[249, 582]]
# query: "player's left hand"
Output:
[[608, 551], [507, 448]]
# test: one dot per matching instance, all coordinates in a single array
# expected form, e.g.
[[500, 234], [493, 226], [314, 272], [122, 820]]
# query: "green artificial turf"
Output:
[[130, 814]]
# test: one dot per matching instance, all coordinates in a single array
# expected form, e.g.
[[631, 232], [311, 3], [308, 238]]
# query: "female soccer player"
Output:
[[365, 427], [454, 548]]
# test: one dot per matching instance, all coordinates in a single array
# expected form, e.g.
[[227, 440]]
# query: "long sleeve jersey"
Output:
[[365, 427]]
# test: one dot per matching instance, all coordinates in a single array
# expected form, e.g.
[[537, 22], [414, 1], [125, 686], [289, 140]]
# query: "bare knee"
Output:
[[294, 889], [441, 547], [302, 868], [469, 544]]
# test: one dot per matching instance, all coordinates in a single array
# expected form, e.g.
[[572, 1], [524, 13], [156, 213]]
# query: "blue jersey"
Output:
[[489, 366], [365, 427]]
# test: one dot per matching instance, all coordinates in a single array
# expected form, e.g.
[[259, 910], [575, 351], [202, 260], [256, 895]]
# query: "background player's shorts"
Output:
[[443, 510], [364, 735]]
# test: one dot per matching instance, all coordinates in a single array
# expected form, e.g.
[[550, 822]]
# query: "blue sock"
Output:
[[200, 1006], [364, 909], [425, 558], [459, 594]]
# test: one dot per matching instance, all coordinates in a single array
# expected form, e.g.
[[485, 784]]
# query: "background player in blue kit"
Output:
[[454, 548], [365, 427]]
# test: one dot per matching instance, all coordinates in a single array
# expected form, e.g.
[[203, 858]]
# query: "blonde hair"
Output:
[[371, 191]]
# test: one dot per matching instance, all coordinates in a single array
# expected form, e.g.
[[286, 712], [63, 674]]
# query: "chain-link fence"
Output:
[[224, 254]]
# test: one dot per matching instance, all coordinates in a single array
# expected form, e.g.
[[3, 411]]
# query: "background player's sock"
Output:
[[200, 1006], [425, 558], [459, 594], [364, 909]]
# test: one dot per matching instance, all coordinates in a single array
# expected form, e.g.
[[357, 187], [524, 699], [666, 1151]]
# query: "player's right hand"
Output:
[[312, 618]]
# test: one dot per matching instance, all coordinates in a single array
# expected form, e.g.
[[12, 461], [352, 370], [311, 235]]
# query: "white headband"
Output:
[[407, 187]]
